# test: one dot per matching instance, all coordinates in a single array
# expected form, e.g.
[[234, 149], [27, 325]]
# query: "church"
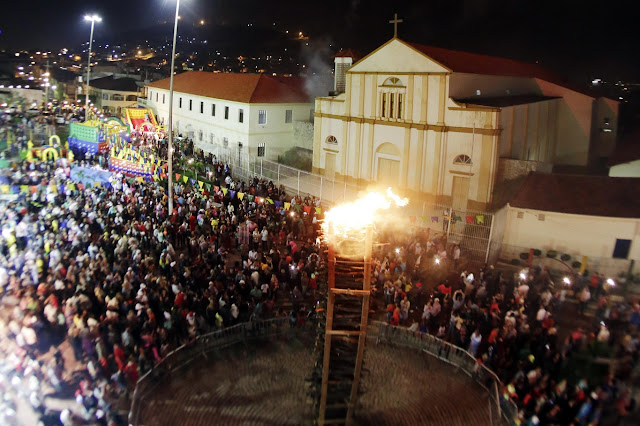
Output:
[[450, 126]]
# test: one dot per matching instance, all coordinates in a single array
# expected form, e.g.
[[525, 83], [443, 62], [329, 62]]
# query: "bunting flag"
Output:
[[434, 219], [412, 219], [4, 189], [214, 223], [269, 200], [81, 187], [259, 200], [177, 176], [480, 219], [97, 184], [216, 188], [425, 219], [278, 204], [193, 181], [155, 178], [140, 180], [457, 219], [232, 194], [307, 209], [24, 188], [200, 184], [54, 189], [297, 207], [224, 191], [469, 219], [318, 210], [287, 206], [250, 198], [34, 188], [185, 179], [208, 186], [163, 175], [241, 195], [71, 186]]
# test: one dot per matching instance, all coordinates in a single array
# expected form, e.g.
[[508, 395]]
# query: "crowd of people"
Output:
[[125, 282], [512, 325]]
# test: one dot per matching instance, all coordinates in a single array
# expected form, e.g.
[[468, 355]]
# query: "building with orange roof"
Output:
[[247, 114]]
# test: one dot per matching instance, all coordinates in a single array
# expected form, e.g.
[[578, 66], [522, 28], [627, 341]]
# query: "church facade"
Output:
[[435, 123]]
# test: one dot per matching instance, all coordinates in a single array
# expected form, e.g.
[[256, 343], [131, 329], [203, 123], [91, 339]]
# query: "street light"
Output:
[[93, 19], [170, 151]]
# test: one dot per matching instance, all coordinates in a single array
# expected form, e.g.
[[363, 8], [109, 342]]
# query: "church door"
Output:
[[460, 193], [388, 171], [330, 165]]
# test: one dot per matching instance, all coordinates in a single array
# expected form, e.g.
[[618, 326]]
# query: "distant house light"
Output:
[[478, 92]]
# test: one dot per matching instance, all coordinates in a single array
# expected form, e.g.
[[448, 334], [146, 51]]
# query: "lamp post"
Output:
[[170, 148], [93, 19]]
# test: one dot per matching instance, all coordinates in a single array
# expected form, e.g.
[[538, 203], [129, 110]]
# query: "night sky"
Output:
[[581, 39]]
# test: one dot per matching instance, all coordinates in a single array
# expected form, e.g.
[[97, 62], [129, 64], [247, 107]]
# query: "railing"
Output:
[[184, 355], [295, 181], [500, 408]]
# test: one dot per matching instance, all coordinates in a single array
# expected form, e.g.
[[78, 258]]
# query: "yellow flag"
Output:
[[224, 190], [287, 206], [185, 179], [241, 195], [4, 189]]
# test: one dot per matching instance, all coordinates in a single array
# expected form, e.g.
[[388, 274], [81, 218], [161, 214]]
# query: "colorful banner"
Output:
[[469, 219], [240, 195], [224, 190], [269, 200], [287, 206], [232, 194], [480, 219], [185, 179]]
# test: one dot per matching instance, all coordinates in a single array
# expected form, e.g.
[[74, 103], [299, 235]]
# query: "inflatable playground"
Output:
[[53, 151], [114, 136]]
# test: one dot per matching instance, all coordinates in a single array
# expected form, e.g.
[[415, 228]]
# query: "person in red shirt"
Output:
[[118, 356], [131, 372]]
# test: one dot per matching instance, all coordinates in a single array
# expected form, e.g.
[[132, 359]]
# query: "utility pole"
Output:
[[46, 85]]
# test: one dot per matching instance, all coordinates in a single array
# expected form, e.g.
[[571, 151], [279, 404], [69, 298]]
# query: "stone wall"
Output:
[[303, 134], [509, 169]]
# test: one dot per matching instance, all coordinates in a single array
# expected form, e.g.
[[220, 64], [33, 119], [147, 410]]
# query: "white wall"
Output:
[[275, 133], [592, 236], [630, 169], [464, 85]]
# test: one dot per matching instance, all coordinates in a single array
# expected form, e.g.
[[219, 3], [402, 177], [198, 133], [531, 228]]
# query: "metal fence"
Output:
[[295, 181], [501, 408], [470, 229], [184, 355]]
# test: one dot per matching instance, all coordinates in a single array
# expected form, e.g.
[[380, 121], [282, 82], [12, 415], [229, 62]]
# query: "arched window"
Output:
[[332, 139], [392, 98], [393, 81], [132, 98], [117, 97], [462, 159]]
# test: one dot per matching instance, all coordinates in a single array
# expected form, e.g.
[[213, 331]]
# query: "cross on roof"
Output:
[[395, 21]]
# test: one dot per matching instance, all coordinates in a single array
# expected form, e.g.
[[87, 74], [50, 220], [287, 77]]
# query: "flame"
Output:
[[354, 217]]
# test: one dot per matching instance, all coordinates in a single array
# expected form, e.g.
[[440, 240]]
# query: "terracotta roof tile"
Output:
[[238, 87], [475, 63], [580, 194]]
